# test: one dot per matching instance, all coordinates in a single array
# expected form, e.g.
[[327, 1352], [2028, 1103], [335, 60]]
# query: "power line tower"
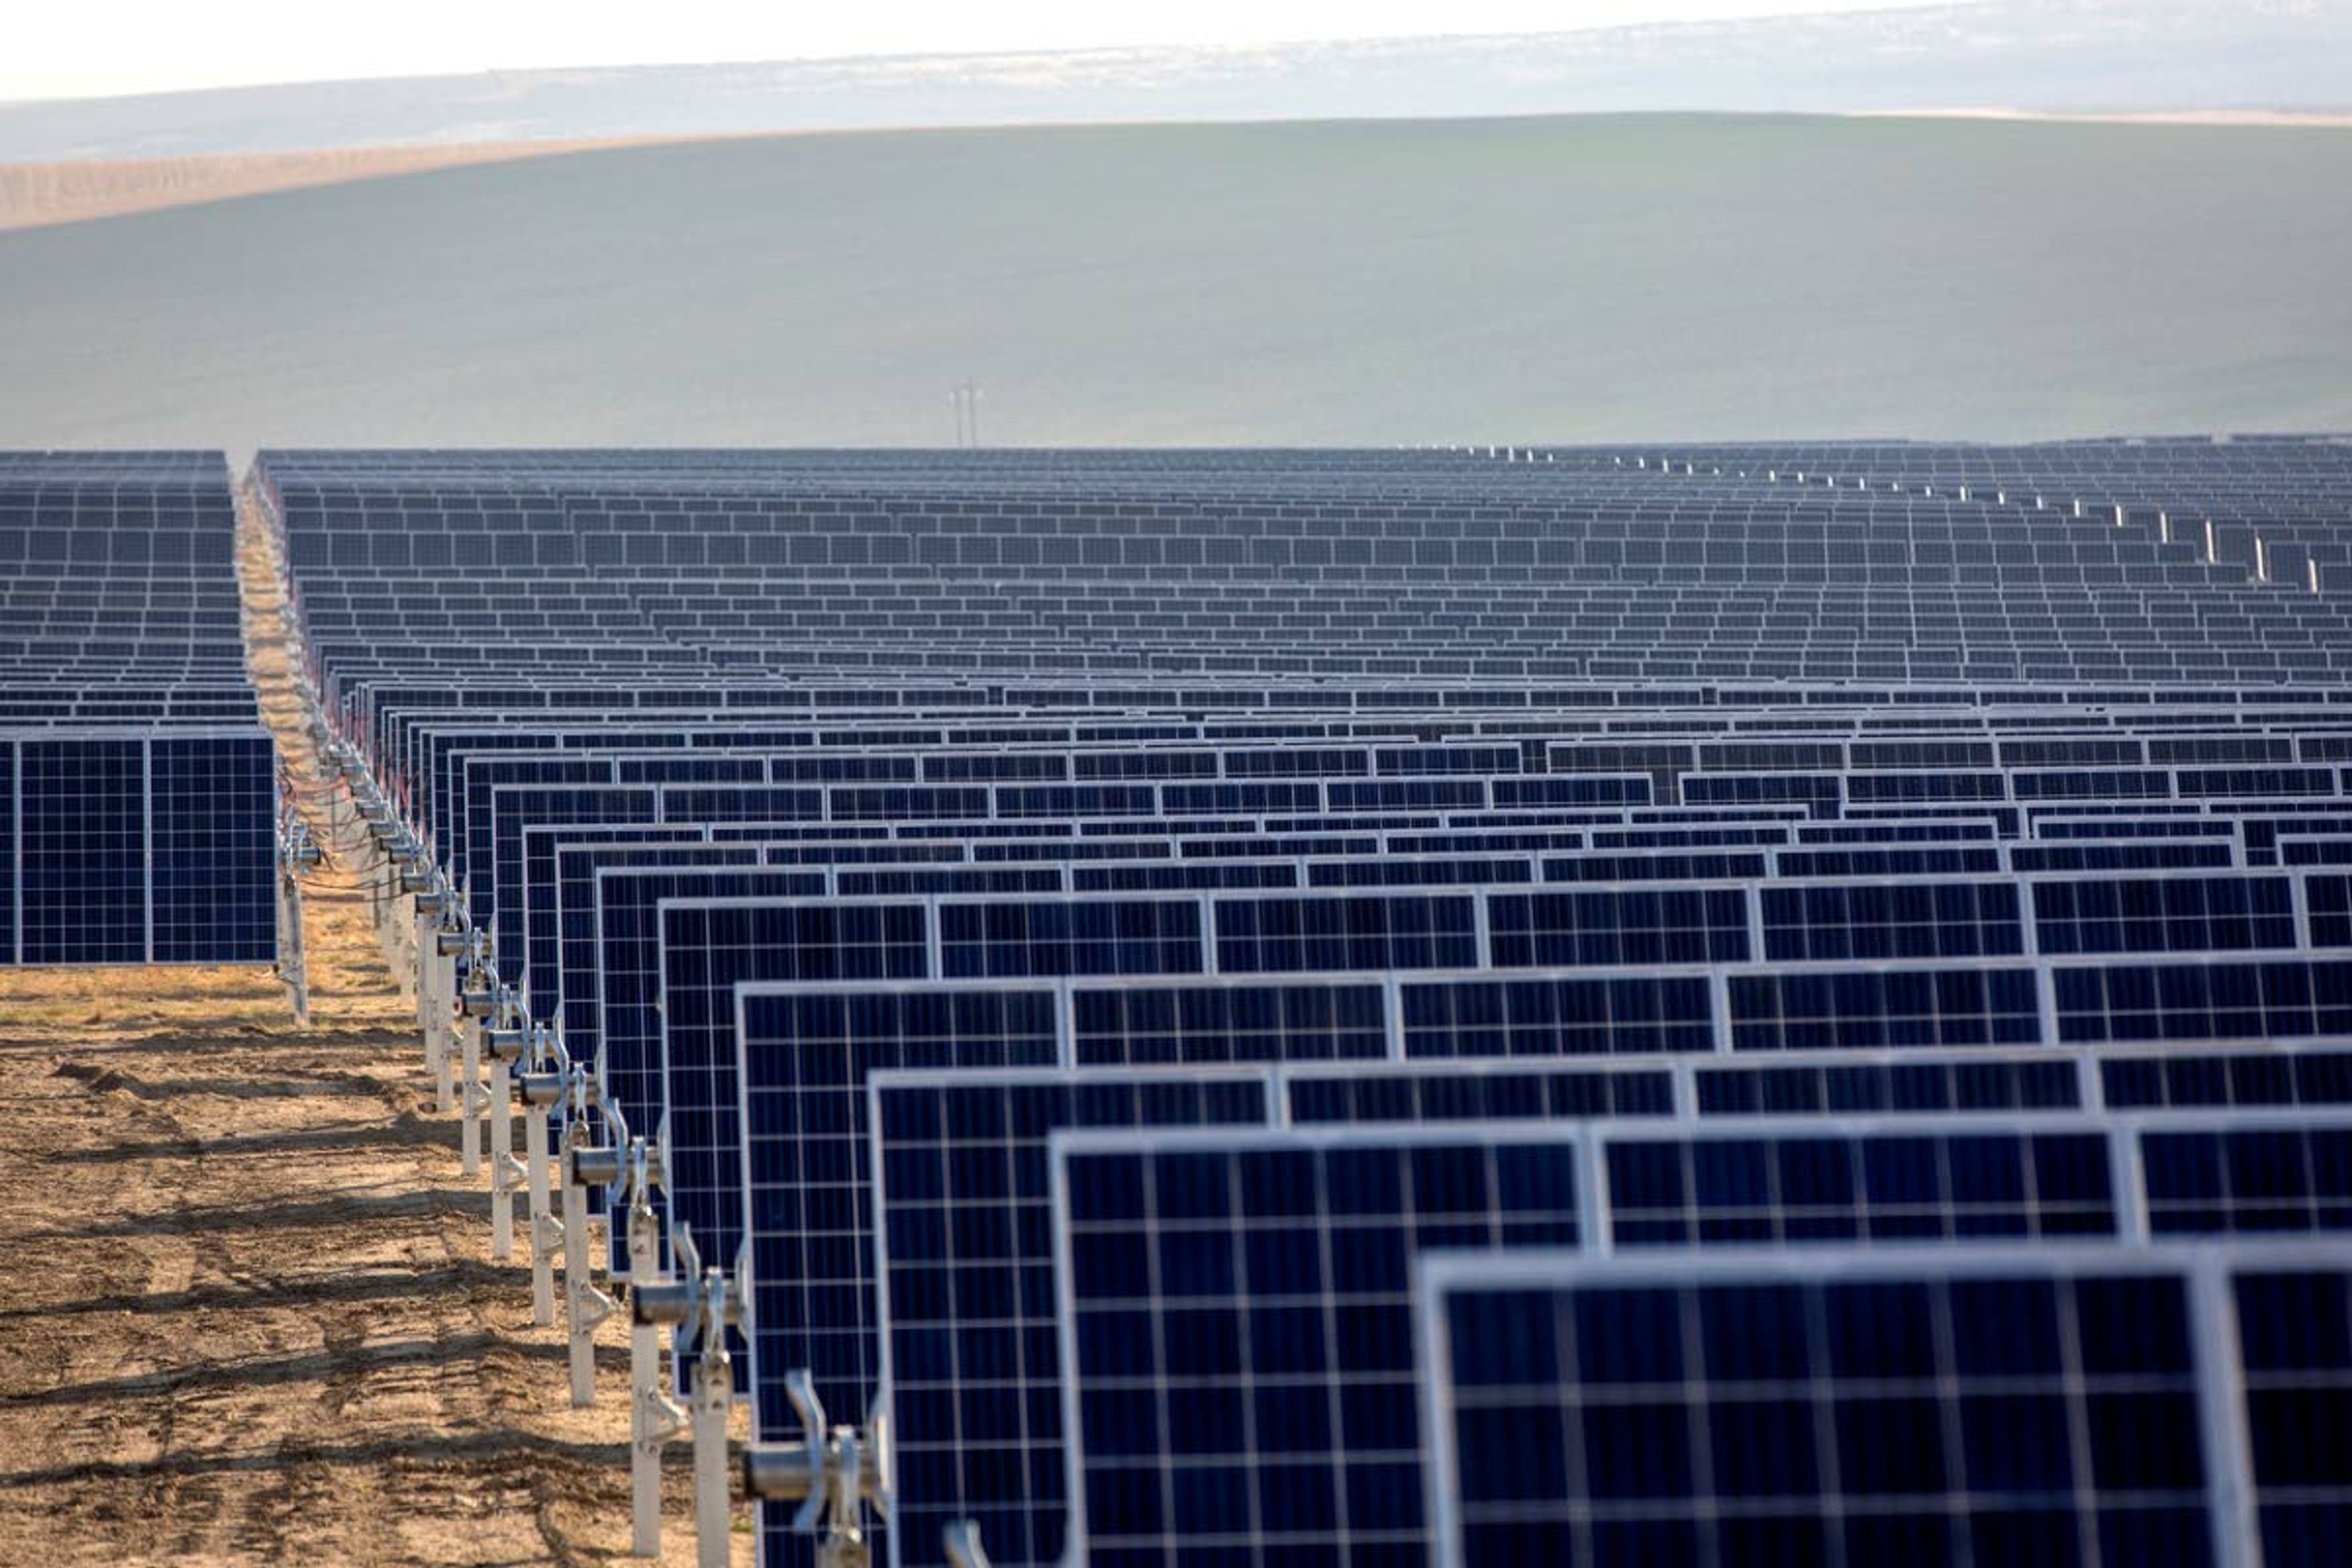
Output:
[[965, 395]]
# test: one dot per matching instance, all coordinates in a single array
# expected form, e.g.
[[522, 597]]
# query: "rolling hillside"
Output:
[[1564, 278]]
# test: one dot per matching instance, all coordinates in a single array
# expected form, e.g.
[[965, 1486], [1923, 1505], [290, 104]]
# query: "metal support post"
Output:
[[470, 1097], [503, 1043], [297, 855], [294, 957], [438, 1004], [714, 1395], [440, 1011], [584, 1306], [476, 1007], [654, 1417], [428, 927], [403, 929], [541, 1090]]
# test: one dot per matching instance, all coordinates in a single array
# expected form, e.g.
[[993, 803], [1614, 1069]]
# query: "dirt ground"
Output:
[[40, 195], [247, 1307]]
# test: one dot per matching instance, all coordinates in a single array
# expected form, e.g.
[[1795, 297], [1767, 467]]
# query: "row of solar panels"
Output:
[[493, 799], [948, 1297], [1135, 617], [137, 793], [789, 939], [1666, 744], [2267, 512], [784, 943], [130, 553], [354, 701], [441, 767], [1272, 677], [1281, 1011], [973, 1026], [2282, 527], [2263, 480], [676, 1001], [138, 846]]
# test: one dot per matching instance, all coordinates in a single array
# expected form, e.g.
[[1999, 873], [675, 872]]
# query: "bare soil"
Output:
[[38, 196], [247, 1312]]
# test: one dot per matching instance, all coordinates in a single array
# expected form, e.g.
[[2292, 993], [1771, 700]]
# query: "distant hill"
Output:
[[1579, 278], [2048, 55]]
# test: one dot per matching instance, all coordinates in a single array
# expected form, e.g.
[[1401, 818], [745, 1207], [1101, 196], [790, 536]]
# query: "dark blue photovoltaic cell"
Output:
[[1394, 932], [630, 1022], [2241, 1180], [1619, 927], [2208, 1082], [1867, 1089], [1794, 1187], [2025, 1412], [708, 949], [212, 847], [1458, 1093], [1799, 1010], [2294, 1337], [81, 849], [2329, 901], [2165, 914], [8, 850], [2180, 1003], [965, 1203], [576, 959], [1637, 1014], [1008, 942], [1146, 1026], [560, 870], [1262, 1287], [805, 1059], [805, 1182], [1892, 921]]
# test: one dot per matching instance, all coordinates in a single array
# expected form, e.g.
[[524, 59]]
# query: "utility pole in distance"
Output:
[[966, 397]]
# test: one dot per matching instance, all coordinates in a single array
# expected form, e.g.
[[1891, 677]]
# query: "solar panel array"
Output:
[[1440, 1006], [137, 790]]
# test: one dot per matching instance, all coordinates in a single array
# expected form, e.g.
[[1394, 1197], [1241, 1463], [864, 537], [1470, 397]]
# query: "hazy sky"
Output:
[[77, 48]]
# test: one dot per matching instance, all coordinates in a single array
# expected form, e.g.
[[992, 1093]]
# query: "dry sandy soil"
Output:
[[247, 1309], [34, 196]]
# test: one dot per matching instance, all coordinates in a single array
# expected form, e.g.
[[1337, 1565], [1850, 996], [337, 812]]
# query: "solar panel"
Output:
[[963, 1200], [2254, 1076], [1850, 842], [804, 1057], [2005, 1405], [1800, 1182], [1926, 1084], [1139, 1022], [628, 985], [2293, 1332], [2248, 1174], [140, 847], [1236, 1317], [1473, 1091]]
